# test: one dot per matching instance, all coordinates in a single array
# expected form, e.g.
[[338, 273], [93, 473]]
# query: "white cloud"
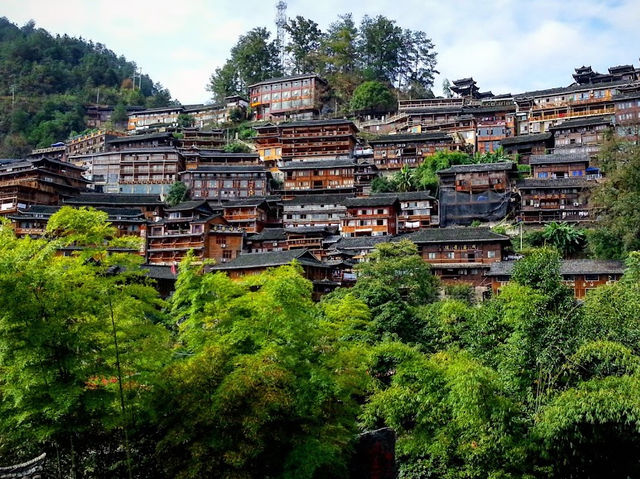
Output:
[[506, 45]]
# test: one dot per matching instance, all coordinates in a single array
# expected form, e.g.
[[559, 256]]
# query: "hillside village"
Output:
[[296, 183]]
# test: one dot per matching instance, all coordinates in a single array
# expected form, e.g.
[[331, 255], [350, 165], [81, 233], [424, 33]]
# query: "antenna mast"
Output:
[[281, 21]]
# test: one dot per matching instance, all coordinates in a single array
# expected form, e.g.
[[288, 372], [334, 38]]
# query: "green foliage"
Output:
[[186, 121], [237, 147], [53, 77], [373, 97], [618, 229], [268, 389], [426, 173], [461, 292], [567, 239], [393, 282], [253, 58], [177, 194], [304, 42], [78, 347]]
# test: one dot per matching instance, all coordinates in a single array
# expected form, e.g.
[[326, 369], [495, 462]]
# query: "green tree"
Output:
[[265, 389], [373, 97], [405, 179], [237, 147], [177, 194], [79, 349], [425, 174], [380, 48], [567, 239], [304, 42], [618, 227], [254, 58], [393, 282]]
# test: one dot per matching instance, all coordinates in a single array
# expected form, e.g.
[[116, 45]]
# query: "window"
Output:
[[432, 255], [451, 255], [576, 173], [491, 254], [543, 174], [227, 254], [221, 240], [591, 277]]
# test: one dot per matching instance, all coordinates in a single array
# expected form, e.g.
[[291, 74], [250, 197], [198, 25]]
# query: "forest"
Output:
[[46, 81]]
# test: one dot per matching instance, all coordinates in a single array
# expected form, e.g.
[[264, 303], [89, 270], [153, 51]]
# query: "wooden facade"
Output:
[[371, 216], [38, 182], [151, 206], [226, 182], [92, 142], [192, 226], [526, 145], [314, 210], [562, 199], [581, 275], [250, 214], [319, 176], [392, 152], [461, 255], [299, 97], [559, 165], [149, 171], [194, 159], [581, 134]]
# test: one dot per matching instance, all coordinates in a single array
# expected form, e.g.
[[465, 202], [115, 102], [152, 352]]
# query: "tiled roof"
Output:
[[187, 205], [451, 235], [268, 234], [479, 167], [580, 122], [568, 266], [558, 158], [337, 121], [159, 271], [361, 242], [268, 259], [317, 200], [286, 78], [227, 169], [115, 199], [407, 138], [253, 201], [150, 136], [310, 165], [519, 139], [378, 200], [556, 183]]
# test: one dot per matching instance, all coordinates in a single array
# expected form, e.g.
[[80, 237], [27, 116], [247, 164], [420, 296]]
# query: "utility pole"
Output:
[[98, 97]]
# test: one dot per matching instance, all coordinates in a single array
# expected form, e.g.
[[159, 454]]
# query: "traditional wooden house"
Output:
[[306, 140], [314, 210], [627, 114], [95, 141], [299, 97], [526, 145], [581, 135], [192, 225], [32, 221], [392, 152], [146, 141], [475, 192], [371, 216], [149, 170], [418, 209], [561, 199], [250, 214], [330, 176], [460, 255], [193, 159], [151, 205], [581, 275], [226, 182], [195, 139], [559, 165], [325, 277], [41, 181], [269, 239]]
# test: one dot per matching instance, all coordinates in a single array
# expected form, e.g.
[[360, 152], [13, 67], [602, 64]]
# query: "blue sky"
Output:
[[506, 45]]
